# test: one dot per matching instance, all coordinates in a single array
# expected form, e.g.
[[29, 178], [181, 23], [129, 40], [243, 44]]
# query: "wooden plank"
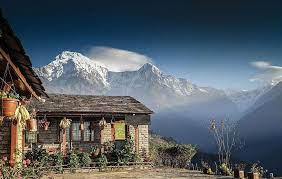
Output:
[[18, 72], [136, 136], [13, 142]]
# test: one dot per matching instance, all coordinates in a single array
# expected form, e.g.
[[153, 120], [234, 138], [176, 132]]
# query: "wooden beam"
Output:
[[14, 139], [18, 72], [136, 136]]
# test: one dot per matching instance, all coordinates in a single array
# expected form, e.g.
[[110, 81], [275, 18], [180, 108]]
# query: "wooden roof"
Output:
[[11, 48], [62, 103]]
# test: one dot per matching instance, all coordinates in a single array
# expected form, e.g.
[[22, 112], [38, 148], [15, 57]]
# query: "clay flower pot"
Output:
[[253, 175], [32, 125], [238, 174], [8, 106]]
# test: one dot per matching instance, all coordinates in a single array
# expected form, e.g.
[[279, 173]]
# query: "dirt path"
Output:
[[142, 173]]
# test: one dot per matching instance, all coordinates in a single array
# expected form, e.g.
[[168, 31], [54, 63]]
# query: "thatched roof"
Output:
[[12, 46], [62, 103]]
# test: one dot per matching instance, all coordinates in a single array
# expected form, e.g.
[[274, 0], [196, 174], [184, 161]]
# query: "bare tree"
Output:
[[227, 139]]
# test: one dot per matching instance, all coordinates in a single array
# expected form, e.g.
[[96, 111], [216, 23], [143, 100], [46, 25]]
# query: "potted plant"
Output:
[[239, 170], [65, 123], [103, 123], [206, 168], [8, 102], [257, 171], [44, 124], [32, 122], [32, 125]]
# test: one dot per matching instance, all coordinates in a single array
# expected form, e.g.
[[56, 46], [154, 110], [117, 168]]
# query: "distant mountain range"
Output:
[[73, 73], [261, 128], [182, 109]]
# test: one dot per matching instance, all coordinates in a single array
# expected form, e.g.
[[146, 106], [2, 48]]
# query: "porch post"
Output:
[[63, 141], [136, 137], [13, 142], [16, 143]]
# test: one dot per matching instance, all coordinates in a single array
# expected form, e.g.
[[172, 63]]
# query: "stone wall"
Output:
[[106, 133], [5, 138], [143, 140]]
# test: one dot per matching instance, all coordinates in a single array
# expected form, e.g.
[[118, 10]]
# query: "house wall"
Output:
[[5, 138], [51, 136], [143, 133]]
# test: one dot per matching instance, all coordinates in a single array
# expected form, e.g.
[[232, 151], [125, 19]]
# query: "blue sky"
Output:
[[209, 43]]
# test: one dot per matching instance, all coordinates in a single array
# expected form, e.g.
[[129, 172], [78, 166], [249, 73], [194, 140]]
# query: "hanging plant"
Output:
[[32, 125], [65, 123], [46, 125], [103, 123], [32, 122], [9, 102], [22, 115]]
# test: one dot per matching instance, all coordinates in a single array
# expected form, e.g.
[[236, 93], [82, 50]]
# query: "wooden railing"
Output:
[[96, 165]]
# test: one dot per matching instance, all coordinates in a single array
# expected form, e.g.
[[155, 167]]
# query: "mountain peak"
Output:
[[69, 55], [148, 67]]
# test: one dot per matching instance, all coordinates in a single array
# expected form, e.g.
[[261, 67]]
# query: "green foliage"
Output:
[[84, 159], [123, 154], [26, 169], [58, 160], [38, 154], [225, 170], [257, 168], [11, 95], [165, 151], [102, 161], [73, 160]]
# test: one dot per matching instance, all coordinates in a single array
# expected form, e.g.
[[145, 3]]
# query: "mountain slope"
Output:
[[261, 128]]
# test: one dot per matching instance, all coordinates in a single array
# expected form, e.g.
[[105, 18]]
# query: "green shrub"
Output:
[[38, 154], [84, 159], [123, 153], [58, 160], [102, 161], [72, 161], [174, 155]]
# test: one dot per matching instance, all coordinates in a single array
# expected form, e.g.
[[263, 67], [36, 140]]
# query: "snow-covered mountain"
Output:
[[246, 98], [74, 73]]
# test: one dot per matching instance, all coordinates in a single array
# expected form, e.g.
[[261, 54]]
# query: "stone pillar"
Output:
[[143, 135], [106, 133]]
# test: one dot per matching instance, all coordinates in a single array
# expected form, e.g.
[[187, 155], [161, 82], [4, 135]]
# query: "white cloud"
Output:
[[118, 60], [269, 73]]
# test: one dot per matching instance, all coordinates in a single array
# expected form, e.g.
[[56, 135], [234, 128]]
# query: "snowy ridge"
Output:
[[74, 73]]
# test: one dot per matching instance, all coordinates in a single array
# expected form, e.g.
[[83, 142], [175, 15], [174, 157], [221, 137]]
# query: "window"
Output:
[[76, 134], [119, 130], [88, 132]]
